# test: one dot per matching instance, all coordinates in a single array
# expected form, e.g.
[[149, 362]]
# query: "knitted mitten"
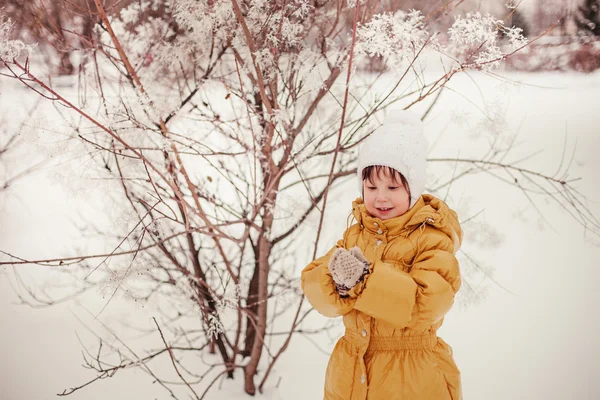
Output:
[[347, 268], [355, 251]]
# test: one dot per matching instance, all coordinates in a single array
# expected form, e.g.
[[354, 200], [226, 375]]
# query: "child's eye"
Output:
[[371, 187], [392, 187]]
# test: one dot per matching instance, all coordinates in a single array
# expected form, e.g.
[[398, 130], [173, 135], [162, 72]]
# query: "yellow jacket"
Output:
[[390, 349]]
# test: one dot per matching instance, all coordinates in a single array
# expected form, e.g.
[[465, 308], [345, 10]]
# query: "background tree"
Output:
[[588, 18]]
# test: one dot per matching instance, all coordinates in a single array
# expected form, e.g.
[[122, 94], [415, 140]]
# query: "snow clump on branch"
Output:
[[395, 37], [401, 36], [11, 49], [477, 35]]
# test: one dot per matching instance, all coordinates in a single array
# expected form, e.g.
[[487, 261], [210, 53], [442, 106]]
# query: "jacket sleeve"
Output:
[[437, 275], [388, 294], [419, 297], [319, 288]]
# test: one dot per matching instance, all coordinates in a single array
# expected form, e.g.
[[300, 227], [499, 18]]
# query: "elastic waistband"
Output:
[[393, 343]]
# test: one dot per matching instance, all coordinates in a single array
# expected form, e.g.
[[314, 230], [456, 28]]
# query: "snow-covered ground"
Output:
[[533, 337]]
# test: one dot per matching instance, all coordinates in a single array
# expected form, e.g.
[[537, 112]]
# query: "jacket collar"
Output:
[[428, 209]]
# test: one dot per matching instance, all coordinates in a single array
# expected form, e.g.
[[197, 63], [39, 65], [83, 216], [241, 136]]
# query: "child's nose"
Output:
[[381, 197]]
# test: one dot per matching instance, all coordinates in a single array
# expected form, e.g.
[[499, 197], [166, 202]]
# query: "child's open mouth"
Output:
[[384, 209]]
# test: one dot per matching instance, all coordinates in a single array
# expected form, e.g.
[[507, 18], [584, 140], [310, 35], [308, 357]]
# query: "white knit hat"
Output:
[[399, 144]]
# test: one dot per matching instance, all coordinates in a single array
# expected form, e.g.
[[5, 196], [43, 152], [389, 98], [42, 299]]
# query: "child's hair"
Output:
[[376, 170]]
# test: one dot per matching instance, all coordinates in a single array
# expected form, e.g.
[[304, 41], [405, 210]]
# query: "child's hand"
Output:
[[347, 268], [355, 251]]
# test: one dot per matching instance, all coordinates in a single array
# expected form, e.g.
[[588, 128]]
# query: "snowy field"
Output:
[[534, 336]]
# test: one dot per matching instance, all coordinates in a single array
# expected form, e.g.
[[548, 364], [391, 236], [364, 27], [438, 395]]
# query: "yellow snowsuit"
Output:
[[390, 349]]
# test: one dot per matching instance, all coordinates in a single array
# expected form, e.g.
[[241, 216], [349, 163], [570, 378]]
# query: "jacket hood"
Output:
[[427, 210]]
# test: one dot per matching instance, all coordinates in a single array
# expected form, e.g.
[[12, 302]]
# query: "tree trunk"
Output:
[[264, 250], [251, 310]]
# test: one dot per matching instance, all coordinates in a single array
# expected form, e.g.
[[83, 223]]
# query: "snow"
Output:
[[533, 337]]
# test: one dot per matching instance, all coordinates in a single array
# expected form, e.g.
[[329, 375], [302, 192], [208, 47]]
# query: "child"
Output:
[[392, 277]]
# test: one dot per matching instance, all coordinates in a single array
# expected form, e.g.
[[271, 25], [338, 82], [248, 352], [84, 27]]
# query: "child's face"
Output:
[[385, 198]]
